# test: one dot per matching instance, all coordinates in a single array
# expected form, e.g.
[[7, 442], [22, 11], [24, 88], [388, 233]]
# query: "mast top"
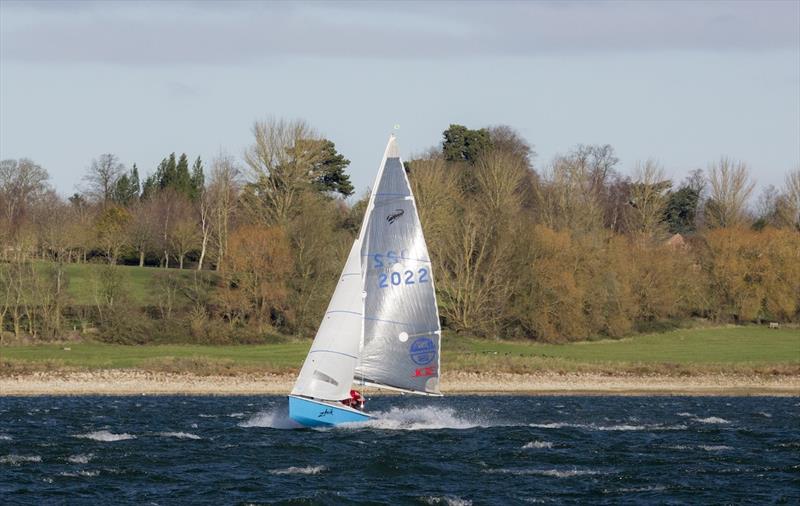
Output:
[[392, 151]]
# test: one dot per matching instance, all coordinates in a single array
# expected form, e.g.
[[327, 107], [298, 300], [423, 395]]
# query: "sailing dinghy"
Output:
[[381, 328]]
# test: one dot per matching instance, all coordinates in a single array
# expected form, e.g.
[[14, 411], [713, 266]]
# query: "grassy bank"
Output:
[[749, 349]]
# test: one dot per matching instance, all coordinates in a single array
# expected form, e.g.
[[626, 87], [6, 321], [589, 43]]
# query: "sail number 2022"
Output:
[[406, 278], [387, 279]]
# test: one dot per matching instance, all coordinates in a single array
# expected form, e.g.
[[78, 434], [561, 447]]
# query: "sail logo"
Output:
[[395, 216], [325, 413], [424, 371], [422, 351]]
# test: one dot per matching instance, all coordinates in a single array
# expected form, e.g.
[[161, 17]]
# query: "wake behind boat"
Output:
[[381, 328]]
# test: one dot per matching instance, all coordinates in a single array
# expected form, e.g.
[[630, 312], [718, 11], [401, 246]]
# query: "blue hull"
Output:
[[314, 413]]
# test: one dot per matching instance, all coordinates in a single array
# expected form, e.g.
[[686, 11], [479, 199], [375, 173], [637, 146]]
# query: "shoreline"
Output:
[[140, 382]]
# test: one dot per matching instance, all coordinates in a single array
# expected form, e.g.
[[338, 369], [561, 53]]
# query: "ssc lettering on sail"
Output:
[[388, 259], [409, 277]]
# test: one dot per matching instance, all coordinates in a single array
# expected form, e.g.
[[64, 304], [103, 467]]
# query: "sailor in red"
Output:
[[356, 400]]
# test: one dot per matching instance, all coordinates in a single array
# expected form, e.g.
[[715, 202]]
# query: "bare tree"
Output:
[[222, 194], [184, 234], [730, 189], [142, 230], [648, 198], [102, 176], [791, 209], [279, 169], [21, 183]]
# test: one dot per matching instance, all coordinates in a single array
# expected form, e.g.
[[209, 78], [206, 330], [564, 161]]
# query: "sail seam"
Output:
[[400, 258]]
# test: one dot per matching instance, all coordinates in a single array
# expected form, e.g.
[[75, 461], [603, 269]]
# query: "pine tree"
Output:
[[126, 188], [197, 182], [329, 170], [134, 177], [183, 180]]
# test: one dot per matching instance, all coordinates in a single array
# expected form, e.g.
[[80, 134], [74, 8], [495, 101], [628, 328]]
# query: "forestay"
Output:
[[401, 333]]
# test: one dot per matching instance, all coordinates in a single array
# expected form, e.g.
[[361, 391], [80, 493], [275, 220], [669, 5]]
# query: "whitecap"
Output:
[[80, 458], [555, 473], [79, 473], [275, 419], [556, 425], [714, 448], [712, 419], [537, 444], [202, 415], [449, 500], [422, 418], [5, 437], [16, 460], [179, 435], [620, 427], [625, 427], [649, 488], [236, 415], [300, 470], [765, 414], [104, 435], [686, 414]]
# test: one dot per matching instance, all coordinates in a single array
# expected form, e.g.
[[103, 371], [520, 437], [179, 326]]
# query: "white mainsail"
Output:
[[401, 334], [382, 325]]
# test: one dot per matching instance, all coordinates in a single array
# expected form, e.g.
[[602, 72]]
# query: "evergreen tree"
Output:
[[167, 172], [197, 181], [329, 170], [681, 209], [135, 185], [126, 189], [183, 180], [461, 144]]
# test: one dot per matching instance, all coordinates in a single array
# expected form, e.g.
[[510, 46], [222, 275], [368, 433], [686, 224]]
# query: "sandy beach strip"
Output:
[[138, 382]]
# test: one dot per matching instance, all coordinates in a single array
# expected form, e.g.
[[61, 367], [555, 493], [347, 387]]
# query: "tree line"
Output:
[[250, 248]]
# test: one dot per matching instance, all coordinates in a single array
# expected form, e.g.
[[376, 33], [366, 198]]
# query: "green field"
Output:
[[734, 349], [138, 282]]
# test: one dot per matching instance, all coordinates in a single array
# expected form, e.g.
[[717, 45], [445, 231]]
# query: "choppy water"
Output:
[[455, 450]]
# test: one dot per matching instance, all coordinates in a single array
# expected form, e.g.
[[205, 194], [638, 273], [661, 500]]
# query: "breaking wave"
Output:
[[76, 474], [80, 458], [274, 419], [422, 418], [16, 460], [179, 435], [554, 473], [300, 470], [619, 427], [448, 500], [104, 435], [537, 444], [711, 419]]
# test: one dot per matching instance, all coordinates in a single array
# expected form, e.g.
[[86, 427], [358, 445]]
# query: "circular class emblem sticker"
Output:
[[422, 351]]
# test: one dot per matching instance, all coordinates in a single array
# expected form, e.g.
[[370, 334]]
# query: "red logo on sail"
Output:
[[424, 371]]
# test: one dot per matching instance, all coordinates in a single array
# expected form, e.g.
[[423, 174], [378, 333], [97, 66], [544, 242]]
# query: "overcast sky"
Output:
[[681, 82]]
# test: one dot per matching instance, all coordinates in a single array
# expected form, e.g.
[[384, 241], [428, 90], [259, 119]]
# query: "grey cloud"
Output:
[[148, 33]]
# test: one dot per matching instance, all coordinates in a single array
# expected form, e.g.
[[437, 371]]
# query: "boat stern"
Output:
[[315, 413]]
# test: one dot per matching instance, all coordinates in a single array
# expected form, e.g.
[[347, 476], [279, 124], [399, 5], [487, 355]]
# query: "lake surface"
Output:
[[454, 450]]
